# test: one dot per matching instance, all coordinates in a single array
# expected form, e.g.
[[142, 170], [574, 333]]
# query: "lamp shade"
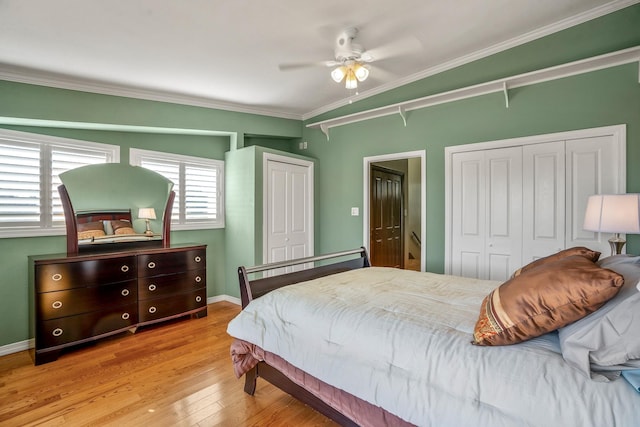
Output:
[[338, 74], [361, 72], [147, 213], [613, 213]]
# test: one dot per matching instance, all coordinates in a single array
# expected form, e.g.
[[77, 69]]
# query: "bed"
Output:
[[380, 346]]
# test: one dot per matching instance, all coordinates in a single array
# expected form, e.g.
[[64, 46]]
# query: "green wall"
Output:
[[600, 98], [37, 102]]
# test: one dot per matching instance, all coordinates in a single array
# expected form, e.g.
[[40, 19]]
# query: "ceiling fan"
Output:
[[351, 63]]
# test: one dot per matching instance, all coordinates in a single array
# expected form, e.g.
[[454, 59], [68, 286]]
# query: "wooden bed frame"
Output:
[[251, 289]]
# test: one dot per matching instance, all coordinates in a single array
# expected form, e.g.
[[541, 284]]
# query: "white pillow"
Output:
[[608, 340]]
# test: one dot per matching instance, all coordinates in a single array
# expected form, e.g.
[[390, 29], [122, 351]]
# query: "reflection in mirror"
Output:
[[112, 207]]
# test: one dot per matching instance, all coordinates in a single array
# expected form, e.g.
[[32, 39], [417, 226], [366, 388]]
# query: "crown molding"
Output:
[[497, 48], [62, 81]]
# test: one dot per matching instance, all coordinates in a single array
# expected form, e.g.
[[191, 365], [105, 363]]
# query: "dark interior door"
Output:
[[386, 219]]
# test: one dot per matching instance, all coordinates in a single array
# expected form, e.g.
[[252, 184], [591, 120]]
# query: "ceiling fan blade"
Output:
[[396, 48], [298, 65], [380, 74]]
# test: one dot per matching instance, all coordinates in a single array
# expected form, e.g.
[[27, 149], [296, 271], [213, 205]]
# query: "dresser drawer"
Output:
[[51, 305], [159, 286], [172, 262], [51, 333], [77, 274], [159, 308]]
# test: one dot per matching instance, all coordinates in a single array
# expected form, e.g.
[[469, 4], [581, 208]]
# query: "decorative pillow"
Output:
[[88, 230], [543, 299], [578, 250], [608, 339], [122, 227]]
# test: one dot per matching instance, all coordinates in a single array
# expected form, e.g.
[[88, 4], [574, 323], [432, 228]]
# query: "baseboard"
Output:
[[227, 298], [27, 344], [16, 347]]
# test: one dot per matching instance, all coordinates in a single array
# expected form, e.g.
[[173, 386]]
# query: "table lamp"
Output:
[[613, 213], [147, 214]]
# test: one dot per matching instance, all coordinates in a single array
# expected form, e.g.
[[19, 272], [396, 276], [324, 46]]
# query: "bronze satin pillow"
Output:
[[122, 227], [543, 299], [88, 230], [578, 250]]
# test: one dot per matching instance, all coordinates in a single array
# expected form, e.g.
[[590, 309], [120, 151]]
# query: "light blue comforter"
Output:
[[401, 340]]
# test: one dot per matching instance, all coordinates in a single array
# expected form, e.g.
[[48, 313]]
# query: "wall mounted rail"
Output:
[[613, 59]]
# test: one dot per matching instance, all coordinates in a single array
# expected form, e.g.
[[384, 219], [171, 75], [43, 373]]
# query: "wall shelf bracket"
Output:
[[403, 114], [505, 90], [325, 129]]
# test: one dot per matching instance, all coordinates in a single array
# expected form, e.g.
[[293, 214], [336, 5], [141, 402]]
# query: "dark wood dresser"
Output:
[[76, 299]]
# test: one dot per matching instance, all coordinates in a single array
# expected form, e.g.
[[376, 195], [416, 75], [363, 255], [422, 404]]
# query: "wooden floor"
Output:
[[176, 374]]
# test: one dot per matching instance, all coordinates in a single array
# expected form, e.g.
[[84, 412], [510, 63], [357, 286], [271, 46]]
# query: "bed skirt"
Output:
[[245, 356]]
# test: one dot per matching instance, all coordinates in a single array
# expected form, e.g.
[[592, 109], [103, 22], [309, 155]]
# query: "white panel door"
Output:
[[592, 168], [487, 213], [468, 214], [503, 245], [543, 192], [288, 216], [559, 172]]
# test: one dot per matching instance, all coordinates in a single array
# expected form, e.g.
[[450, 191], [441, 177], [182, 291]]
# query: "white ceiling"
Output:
[[225, 53]]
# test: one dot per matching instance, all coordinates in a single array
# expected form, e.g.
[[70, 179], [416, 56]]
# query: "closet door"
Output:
[[288, 199], [503, 245], [592, 167], [543, 192], [487, 213], [468, 214]]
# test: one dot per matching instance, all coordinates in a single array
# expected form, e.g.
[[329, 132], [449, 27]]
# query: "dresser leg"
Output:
[[133, 330], [200, 314], [46, 357]]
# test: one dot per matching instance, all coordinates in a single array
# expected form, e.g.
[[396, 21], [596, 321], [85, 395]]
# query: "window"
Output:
[[29, 168], [197, 182]]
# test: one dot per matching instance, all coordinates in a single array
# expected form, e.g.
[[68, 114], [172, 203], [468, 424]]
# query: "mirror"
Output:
[[115, 207]]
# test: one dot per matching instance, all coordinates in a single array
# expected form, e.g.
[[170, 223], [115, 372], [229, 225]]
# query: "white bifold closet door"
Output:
[[510, 206], [487, 218]]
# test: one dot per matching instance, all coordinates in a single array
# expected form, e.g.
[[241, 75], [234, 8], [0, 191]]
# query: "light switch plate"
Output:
[[355, 211]]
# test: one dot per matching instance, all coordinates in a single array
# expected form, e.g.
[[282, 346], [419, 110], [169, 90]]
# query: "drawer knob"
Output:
[[152, 287], [125, 292], [57, 332], [198, 298], [197, 259], [198, 279], [56, 304], [124, 268], [56, 277], [151, 265], [125, 316], [152, 309]]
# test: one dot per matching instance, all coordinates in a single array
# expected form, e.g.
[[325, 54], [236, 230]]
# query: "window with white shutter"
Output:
[[29, 168], [198, 183]]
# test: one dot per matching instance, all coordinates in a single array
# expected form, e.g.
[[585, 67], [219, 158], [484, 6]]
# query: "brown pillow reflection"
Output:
[[578, 250], [88, 230], [122, 227], [546, 298]]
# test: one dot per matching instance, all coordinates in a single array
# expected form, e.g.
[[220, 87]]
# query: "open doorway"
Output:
[[394, 217]]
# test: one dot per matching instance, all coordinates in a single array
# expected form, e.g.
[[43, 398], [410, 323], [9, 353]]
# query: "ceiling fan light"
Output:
[[338, 74], [361, 72], [351, 80]]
